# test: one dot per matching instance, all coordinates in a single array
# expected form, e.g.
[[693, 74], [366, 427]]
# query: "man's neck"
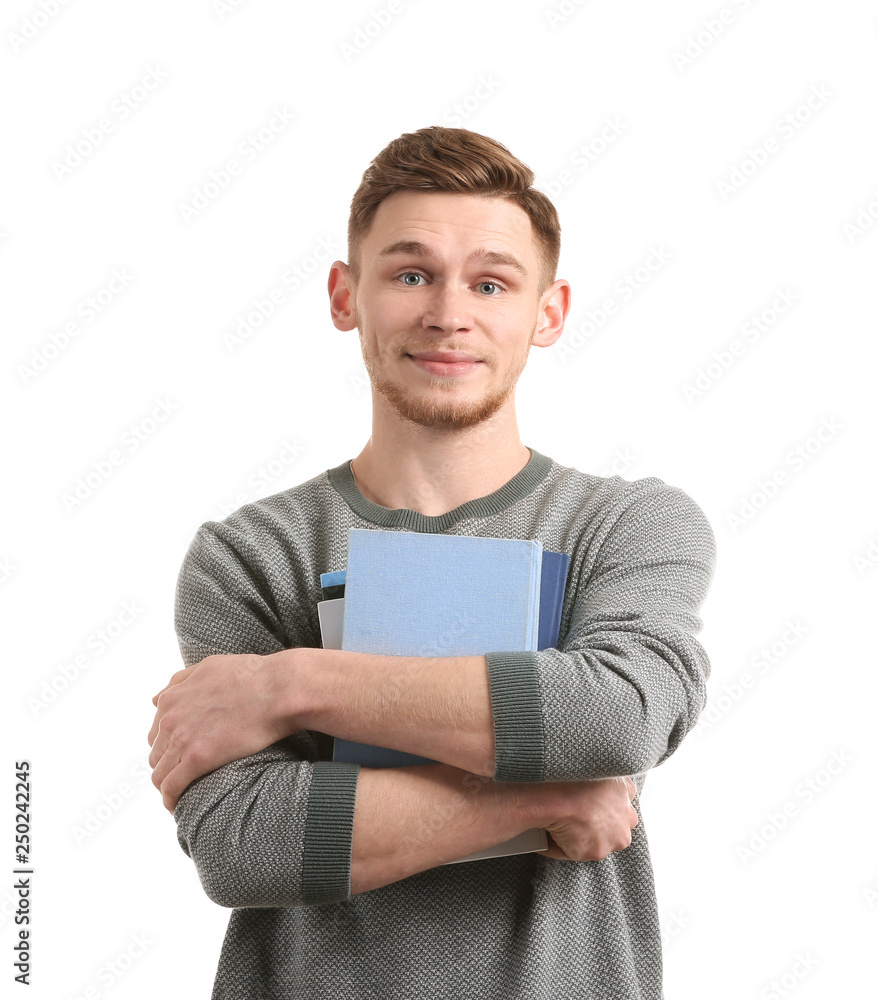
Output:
[[405, 465]]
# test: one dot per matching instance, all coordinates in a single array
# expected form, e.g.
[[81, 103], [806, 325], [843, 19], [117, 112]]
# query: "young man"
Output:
[[335, 872]]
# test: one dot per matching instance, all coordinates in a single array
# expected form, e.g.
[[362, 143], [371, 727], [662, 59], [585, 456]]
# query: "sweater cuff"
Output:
[[329, 833], [519, 737]]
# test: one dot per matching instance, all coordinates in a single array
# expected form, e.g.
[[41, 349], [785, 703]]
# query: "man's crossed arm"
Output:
[[227, 707]]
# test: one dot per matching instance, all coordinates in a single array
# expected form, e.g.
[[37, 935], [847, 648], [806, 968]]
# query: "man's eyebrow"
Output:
[[414, 248]]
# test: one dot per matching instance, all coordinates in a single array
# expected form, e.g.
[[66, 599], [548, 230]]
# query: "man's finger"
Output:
[[177, 781], [169, 802], [163, 767], [154, 729], [170, 684], [158, 694], [180, 675]]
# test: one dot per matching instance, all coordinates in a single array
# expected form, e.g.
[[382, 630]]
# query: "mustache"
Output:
[[420, 346]]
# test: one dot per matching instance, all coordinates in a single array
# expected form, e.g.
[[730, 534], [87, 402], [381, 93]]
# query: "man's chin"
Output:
[[446, 414]]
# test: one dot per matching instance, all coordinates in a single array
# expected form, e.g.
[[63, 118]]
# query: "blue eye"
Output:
[[495, 288], [410, 274]]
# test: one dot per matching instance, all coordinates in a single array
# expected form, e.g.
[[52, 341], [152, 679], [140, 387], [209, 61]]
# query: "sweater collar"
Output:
[[522, 484]]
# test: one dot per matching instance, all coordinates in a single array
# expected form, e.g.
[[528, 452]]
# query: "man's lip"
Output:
[[445, 357]]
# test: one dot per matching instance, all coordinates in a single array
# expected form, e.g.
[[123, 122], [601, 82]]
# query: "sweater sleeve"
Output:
[[274, 828], [629, 679]]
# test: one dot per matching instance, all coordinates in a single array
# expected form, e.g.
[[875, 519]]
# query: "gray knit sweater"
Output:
[[271, 834]]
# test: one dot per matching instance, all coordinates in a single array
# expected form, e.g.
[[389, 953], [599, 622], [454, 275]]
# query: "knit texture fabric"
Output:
[[271, 834]]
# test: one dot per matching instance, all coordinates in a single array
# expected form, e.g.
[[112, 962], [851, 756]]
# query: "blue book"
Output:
[[414, 594], [417, 594], [553, 581]]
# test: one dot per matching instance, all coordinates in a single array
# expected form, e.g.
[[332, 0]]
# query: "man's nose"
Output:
[[448, 308]]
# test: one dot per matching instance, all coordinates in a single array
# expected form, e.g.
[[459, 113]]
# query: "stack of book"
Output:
[[411, 594]]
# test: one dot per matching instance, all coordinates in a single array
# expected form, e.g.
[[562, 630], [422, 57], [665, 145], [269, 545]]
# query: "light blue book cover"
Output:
[[417, 594]]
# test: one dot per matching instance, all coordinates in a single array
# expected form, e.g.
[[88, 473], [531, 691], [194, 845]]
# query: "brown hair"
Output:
[[454, 159]]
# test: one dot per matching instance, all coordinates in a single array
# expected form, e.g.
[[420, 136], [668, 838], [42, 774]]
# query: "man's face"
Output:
[[447, 304]]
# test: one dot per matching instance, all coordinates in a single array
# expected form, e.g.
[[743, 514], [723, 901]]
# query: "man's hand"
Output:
[[216, 711], [589, 820]]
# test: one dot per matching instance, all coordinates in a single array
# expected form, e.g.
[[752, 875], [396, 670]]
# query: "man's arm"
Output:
[[410, 819], [276, 827], [438, 707], [255, 842], [227, 707], [617, 698]]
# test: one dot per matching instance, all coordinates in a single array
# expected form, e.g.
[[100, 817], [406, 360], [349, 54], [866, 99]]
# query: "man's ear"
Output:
[[555, 305], [342, 292]]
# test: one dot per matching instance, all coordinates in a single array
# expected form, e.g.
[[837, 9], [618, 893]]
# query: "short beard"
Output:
[[427, 413]]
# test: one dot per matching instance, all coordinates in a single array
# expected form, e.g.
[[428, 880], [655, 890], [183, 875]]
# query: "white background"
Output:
[[761, 877]]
